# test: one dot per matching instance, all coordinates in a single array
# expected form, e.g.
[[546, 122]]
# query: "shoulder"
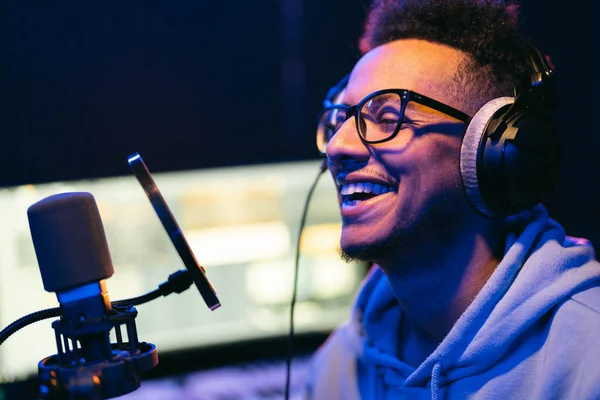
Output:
[[588, 301], [573, 341], [581, 313]]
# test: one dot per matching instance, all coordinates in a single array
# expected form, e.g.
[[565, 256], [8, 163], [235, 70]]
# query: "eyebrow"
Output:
[[414, 106]]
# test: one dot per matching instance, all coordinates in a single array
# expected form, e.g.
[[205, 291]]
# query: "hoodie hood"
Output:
[[541, 268]]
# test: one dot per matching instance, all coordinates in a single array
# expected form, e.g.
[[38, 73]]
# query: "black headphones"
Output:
[[510, 154], [334, 93]]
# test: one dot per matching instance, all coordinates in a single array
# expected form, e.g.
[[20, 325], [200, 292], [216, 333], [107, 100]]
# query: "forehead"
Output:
[[424, 67]]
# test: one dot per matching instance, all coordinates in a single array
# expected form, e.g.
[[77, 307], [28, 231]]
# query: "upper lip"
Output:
[[359, 177]]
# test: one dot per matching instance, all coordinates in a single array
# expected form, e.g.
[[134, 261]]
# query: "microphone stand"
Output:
[[116, 369], [87, 366], [70, 375]]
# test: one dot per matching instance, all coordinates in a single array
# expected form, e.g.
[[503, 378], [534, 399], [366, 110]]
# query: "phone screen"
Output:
[[196, 271]]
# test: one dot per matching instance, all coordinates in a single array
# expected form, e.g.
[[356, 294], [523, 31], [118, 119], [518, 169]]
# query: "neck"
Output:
[[439, 286]]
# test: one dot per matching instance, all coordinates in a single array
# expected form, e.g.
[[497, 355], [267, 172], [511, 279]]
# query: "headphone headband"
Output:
[[540, 66], [335, 92], [539, 87]]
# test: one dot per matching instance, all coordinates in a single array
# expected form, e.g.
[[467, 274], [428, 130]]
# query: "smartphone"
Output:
[[196, 271]]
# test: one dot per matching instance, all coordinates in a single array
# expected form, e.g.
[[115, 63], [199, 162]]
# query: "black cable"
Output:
[[155, 294], [177, 283], [27, 320], [290, 354]]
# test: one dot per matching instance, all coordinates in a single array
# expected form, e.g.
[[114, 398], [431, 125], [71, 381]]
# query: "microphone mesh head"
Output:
[[69, 241]]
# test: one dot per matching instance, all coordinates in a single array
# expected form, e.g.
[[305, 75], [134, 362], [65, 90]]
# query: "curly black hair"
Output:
[[487, 30]]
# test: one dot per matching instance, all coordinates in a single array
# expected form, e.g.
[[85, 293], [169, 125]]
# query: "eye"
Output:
[[330, 122], [338, 117], [387, 118]]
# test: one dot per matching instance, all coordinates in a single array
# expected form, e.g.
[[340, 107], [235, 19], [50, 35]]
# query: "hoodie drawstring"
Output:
[[435, 380]]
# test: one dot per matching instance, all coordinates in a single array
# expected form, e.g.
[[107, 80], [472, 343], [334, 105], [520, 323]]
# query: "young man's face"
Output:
[[414, 178]]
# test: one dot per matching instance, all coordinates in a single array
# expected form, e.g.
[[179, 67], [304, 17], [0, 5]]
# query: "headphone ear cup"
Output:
[[518, 166], [470, 152]]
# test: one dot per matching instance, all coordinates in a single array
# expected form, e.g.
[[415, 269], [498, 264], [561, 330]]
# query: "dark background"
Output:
[[196, 84]]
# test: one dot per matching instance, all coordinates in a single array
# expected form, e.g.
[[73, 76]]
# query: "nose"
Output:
[[346, 145]]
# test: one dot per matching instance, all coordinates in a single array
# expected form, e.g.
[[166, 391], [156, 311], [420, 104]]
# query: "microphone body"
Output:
[[74, 259], [69, 240]]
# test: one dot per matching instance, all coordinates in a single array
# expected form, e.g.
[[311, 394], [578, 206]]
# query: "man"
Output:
[[470, 296]]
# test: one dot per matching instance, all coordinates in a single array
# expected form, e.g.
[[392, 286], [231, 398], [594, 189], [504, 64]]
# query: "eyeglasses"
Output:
[[378, 116]]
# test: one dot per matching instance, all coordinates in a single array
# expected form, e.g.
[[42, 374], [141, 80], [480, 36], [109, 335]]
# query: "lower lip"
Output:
[[349, 211]]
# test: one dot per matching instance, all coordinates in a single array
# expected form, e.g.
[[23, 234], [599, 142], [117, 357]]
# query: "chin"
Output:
[[357, 247], [438, 222]]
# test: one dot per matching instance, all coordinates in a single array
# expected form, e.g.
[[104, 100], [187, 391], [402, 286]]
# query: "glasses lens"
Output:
[[329, 123], [380, 117]]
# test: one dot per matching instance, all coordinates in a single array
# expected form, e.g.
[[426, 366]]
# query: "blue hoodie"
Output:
[[532, 332]]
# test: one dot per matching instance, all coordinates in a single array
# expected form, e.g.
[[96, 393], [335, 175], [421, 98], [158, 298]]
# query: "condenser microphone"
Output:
[[74, 260], [72, 253]]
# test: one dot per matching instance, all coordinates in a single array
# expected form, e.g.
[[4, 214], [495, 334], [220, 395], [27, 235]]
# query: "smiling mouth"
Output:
[[353, 194]]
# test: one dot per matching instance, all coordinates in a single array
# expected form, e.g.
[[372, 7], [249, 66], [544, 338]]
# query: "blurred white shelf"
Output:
[[242, 224]]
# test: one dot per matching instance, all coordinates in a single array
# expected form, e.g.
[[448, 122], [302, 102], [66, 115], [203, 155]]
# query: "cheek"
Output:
[[439, 176], [428, 168]]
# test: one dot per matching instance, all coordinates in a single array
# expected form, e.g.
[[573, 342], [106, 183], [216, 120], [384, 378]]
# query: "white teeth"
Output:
[[364, 187]]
